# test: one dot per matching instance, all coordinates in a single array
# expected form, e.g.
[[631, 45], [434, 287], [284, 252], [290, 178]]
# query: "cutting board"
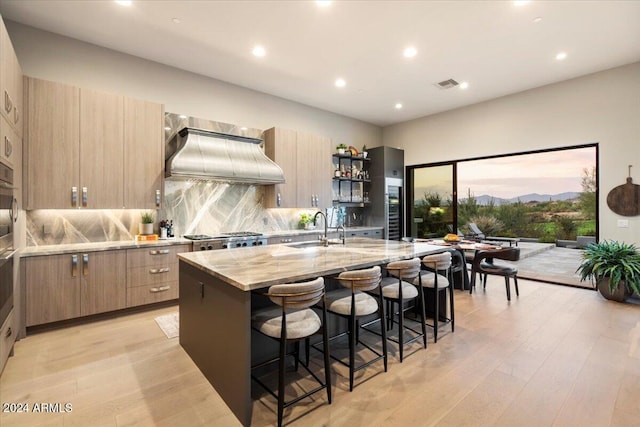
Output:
[[625, 199]]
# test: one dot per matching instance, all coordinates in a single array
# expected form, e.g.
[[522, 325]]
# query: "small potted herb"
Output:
[[146, 223], [615, 266], [306, 221], [364, 151], [341, 148]]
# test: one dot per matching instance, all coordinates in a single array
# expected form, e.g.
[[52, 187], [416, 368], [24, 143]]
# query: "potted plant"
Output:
[[146, 223], [364, 151], [615, 266], [306, 221], [341, 148]]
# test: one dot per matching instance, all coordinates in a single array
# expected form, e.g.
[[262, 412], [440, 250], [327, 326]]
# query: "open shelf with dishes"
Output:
[[350, 180]]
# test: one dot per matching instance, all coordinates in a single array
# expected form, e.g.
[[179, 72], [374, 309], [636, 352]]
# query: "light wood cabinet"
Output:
[[144, 154], [152, 274], [10, 83], [281, 147], [52, 145], [60, 287], [305, 160], [10, 146], [101, 149], [91, 149]]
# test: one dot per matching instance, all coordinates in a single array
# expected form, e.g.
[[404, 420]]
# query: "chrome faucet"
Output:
[[344, 233], [324, 239]]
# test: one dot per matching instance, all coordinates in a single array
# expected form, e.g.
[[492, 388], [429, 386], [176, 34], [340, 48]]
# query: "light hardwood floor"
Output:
[[555, 356]]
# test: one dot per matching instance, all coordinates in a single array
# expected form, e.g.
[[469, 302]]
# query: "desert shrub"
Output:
[[488, 224]]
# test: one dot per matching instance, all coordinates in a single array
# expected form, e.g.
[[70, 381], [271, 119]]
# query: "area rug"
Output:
[[169, 324]]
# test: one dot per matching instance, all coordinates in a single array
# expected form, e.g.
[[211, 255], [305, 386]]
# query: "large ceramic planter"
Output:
[[619, 294]]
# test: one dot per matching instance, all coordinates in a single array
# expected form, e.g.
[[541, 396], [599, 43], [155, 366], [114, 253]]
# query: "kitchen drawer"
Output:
[[152, 293], [7, 338], [152, 274], [373, 234], [157, 255]]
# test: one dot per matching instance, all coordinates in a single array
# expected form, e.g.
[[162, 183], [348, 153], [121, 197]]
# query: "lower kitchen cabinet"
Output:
[[152, 274], [374, 233], [8, 333], [60, 287]]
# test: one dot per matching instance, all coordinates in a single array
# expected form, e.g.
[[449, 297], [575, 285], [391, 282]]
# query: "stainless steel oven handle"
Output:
[[13, 213]]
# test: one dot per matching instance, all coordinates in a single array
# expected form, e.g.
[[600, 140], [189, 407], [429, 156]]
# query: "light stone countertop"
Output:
[[97, 246], [259, 267], [68, 248]]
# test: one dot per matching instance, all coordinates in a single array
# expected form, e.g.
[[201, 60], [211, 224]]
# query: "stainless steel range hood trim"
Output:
[[201, 154]]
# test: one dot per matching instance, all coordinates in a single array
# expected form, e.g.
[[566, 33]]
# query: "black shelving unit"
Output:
[[344, 186]]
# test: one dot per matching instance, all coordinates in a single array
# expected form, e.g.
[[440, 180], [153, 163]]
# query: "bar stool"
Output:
[[291, 321], [351, 303], [436, 280], [400, 288]]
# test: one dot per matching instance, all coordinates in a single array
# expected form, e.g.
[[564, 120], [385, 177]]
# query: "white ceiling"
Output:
[[493, 45]]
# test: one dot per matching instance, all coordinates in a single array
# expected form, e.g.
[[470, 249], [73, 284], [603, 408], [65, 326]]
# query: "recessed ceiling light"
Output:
[[520, 2], [537, 19], [167, 128], [243, 128], [259, 51], [464, 85], [410, 52], [124, 2], [561, 55], [398, 106], [182, 116], [323, 3], [176, 20], [340, 83]]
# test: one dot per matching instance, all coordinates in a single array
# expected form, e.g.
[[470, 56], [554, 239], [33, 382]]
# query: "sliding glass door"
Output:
[[431, 205]]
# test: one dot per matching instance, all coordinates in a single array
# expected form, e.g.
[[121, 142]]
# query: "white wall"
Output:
[[53, 57], [603, 107]]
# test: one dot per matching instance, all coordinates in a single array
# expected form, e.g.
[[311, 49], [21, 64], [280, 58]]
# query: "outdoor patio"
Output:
[[548, 263]]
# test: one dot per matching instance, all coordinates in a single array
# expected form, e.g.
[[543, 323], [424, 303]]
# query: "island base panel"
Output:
[[215, 331]]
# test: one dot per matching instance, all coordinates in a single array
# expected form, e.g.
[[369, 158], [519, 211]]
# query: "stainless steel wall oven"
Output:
[[8, 216]]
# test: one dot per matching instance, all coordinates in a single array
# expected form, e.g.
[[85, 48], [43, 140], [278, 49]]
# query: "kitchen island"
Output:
[[216, 300]]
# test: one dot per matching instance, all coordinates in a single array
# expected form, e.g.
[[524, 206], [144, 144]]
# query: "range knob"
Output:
[[259, 242], [255, 243], [210, 247], [203, 248], [238, 245], [224, 246]]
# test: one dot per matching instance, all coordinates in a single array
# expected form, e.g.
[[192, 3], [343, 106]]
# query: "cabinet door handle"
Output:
[[85, 196], [159, 270], [8, 104], [157, 198], [160, 289], [74, 265], [85, 264], [159, 252], [9, 332], [16, 115], [278, 200], [8, 147], [74, 196]]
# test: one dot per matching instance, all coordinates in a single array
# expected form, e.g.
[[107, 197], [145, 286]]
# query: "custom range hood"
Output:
[[201, 154]]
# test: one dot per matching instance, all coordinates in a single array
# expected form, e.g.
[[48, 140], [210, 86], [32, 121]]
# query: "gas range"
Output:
[[235, 239]]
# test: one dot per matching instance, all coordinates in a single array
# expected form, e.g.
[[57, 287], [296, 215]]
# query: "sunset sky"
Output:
[[506, 177]]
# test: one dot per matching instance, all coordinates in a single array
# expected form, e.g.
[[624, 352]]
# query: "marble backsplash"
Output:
[[196, 207]]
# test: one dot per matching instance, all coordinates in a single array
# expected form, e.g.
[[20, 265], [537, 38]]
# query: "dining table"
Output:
[[460, 248]]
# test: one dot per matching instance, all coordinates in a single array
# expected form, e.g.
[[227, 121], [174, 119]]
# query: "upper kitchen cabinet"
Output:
[[280, 146], [52, 145], [144, 154], [91, 149], [101, 149], [10, 83], [305, 160]]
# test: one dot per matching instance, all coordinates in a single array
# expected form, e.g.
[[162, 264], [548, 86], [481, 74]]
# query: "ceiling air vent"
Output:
[[446, 84]]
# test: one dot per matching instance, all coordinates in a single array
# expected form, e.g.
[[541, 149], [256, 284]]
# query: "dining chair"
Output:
[[483, 264]]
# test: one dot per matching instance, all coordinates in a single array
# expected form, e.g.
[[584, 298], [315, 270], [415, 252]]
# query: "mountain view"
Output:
[[485, 199]]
